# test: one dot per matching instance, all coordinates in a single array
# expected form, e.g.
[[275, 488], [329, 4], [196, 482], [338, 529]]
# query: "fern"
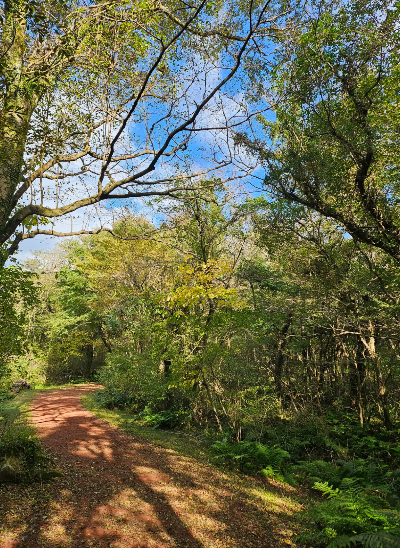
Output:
[[251, 456], [326, 489], [353, 511], [381, 539]]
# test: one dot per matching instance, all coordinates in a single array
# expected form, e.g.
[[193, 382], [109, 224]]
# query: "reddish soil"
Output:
[[123, 492]]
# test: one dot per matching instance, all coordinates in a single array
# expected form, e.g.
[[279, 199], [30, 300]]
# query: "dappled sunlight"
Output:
[[94, 449], [127, 518], [10, 542], [120, 492], [278, 503], [83, 438], [151, 476], [57, 534]]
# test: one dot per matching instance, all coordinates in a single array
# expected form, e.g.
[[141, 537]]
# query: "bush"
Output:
[[318, 470], [163, 419], [251, 457], [21, 456], [360, 506], [352, 511], [303, 440], [4, 396], [135, 376], [30, 366], [110, 398]]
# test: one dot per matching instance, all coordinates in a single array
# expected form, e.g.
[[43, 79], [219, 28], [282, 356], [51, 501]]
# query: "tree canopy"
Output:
[[254, 302], [333, 146], [96, 95]]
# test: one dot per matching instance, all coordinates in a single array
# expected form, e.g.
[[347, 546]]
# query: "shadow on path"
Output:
[[118, 491]]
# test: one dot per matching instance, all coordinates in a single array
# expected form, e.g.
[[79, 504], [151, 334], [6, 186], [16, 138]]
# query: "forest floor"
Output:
[[122, 491]]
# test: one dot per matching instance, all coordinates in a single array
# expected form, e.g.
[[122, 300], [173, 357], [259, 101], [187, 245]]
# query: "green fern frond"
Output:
[[343, 541], [389, 512], [367, 540], [326, 489]]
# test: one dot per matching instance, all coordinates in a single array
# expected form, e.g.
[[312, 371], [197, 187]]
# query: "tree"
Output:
[[91, 103], [17, 294], [235, 312], [344, 312], [334, 144]]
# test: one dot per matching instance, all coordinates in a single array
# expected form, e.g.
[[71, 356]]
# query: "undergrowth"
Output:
[[22, 459], [252, 457], [353, 471]]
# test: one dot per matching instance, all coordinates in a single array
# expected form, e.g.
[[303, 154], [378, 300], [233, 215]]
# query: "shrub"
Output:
[[251, 457], [351, 515], [111, 398], [382, 539], [21, 456], [30, 366], [163, 419], [135, 376], [369, 472], [4, 396], [318, 470]]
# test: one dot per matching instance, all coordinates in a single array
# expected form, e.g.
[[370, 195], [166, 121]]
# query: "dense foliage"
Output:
[[17, 295], [333, 145], [22, 459], [269, 325], [259, 323]]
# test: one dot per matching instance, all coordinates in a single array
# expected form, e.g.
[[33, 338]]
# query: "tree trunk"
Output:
[[380, 381], [19, 102], [89, 360], [167, 369], [357, 379], [280, 359]]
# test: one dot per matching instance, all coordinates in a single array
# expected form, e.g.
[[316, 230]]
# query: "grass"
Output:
[[189, 445], [16, 411], [287, 503], [24, 507], [22, 458], [17, 500]]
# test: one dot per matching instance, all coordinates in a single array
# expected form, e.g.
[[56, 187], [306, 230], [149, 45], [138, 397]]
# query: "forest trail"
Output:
[[123, 492]]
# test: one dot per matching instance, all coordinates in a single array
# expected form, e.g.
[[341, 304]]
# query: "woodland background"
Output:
[[267, 319]]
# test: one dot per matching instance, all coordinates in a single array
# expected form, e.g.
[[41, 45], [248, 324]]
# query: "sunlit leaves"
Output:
[[332, 146], [200, 284], [18, 294]]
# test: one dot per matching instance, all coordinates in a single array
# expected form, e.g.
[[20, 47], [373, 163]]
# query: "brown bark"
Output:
[[18, 105], [89, 350], [357, 379], [280, 359], [369, 344]]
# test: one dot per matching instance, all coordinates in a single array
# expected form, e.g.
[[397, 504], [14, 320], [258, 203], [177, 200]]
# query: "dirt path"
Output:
[[119, 491]]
